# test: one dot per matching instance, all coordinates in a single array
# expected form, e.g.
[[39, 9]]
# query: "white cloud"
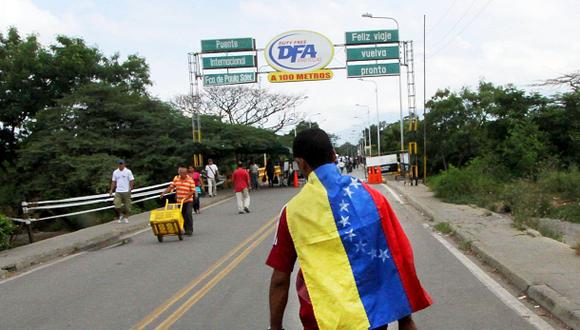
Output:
[[519, 41], [29, 18]]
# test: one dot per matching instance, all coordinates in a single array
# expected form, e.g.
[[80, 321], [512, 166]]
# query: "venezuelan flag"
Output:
[[356, 259]]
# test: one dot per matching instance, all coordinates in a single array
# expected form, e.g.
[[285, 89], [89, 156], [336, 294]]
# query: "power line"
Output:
[[462, 30], [455, 25], [442, 16]]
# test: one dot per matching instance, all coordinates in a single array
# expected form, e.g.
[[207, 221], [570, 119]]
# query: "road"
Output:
[[217, 280]]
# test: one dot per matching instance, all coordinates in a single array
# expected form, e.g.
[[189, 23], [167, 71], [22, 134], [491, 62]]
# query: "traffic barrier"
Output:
[[374, 175], [296, 185], [370, 175]]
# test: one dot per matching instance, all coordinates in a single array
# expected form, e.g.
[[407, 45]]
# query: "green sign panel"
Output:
[[228, 45], [372, 70], [228, 62], [372, 37], [372, 53], [229, 78]]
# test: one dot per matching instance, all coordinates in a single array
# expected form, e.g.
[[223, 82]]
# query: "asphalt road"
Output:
[[217, 280]]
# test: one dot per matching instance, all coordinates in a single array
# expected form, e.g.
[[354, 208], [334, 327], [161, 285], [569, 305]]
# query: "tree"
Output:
[[246, 106], [571, 80], [74, 144], [347, 149], [34, 78]]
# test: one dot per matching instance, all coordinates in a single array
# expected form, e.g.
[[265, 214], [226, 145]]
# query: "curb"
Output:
[[545, 296], [10, 263], [16, 264], [559, 305]]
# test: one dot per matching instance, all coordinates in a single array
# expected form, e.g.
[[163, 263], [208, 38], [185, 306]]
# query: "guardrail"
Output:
[[137, 195]]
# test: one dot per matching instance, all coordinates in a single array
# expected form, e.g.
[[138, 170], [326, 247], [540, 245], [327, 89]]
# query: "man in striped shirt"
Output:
[[184, 187]]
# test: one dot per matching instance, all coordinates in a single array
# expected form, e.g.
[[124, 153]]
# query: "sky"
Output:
[[519, 41]]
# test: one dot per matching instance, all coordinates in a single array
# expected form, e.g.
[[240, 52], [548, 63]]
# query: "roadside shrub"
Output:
[[563, 184], [6, 229], [473, 184], [570, 212], [525, 199]]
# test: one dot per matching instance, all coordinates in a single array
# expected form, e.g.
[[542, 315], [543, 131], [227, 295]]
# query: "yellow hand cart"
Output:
[[167, 221]]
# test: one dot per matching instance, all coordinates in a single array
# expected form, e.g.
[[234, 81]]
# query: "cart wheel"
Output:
[[180, 235], [160, 238]]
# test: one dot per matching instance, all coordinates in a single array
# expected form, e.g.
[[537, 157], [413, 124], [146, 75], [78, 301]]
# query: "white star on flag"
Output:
[[344, 221], [354, 183], [344, 206], [360, 246], [373, 253], [350, 234], [384, 255], [347, 192]]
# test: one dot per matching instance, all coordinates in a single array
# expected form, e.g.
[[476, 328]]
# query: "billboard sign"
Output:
[[299, 51]]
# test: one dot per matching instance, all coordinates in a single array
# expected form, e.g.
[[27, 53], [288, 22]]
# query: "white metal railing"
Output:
[[137, 195]]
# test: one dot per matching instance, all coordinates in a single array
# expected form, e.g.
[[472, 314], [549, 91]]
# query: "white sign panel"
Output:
[[299, 51], [382, 160]]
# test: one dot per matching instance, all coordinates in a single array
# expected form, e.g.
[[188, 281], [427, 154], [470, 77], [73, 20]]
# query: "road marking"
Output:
[[184, 291], [503, 295], [41, 267], [179, 312], [394, 194]]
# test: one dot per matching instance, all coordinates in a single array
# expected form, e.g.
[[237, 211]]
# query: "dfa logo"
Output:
[[299, 51]]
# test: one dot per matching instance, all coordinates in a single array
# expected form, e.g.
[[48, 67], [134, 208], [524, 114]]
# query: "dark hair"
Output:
[[314, 146]]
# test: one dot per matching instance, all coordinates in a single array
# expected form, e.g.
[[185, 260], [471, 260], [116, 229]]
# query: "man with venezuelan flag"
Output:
[[357, 269]]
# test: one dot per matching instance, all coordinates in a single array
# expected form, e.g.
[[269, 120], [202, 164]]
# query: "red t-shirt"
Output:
[[196, 176], [240, 179], [282, 258]]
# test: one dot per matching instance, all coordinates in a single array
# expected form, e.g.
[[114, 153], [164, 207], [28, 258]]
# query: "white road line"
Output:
[[394, 194], [41, 267], [503, 295]]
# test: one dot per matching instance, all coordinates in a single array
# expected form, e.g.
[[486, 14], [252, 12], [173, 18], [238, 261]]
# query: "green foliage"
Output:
[[562, 184], [443, 228], [526, 200], [569, 212], [552, 193], [6, 229], [75, 143], [469, 185], [502, 148], [34, 77], [519, 130], [347, 148]]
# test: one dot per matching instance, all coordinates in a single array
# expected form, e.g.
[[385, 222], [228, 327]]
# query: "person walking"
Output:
[[184, 192], [270, 171], [241, 180], [122, 184], [357, 269], [254, 173], [196, 176], [212, 173]]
